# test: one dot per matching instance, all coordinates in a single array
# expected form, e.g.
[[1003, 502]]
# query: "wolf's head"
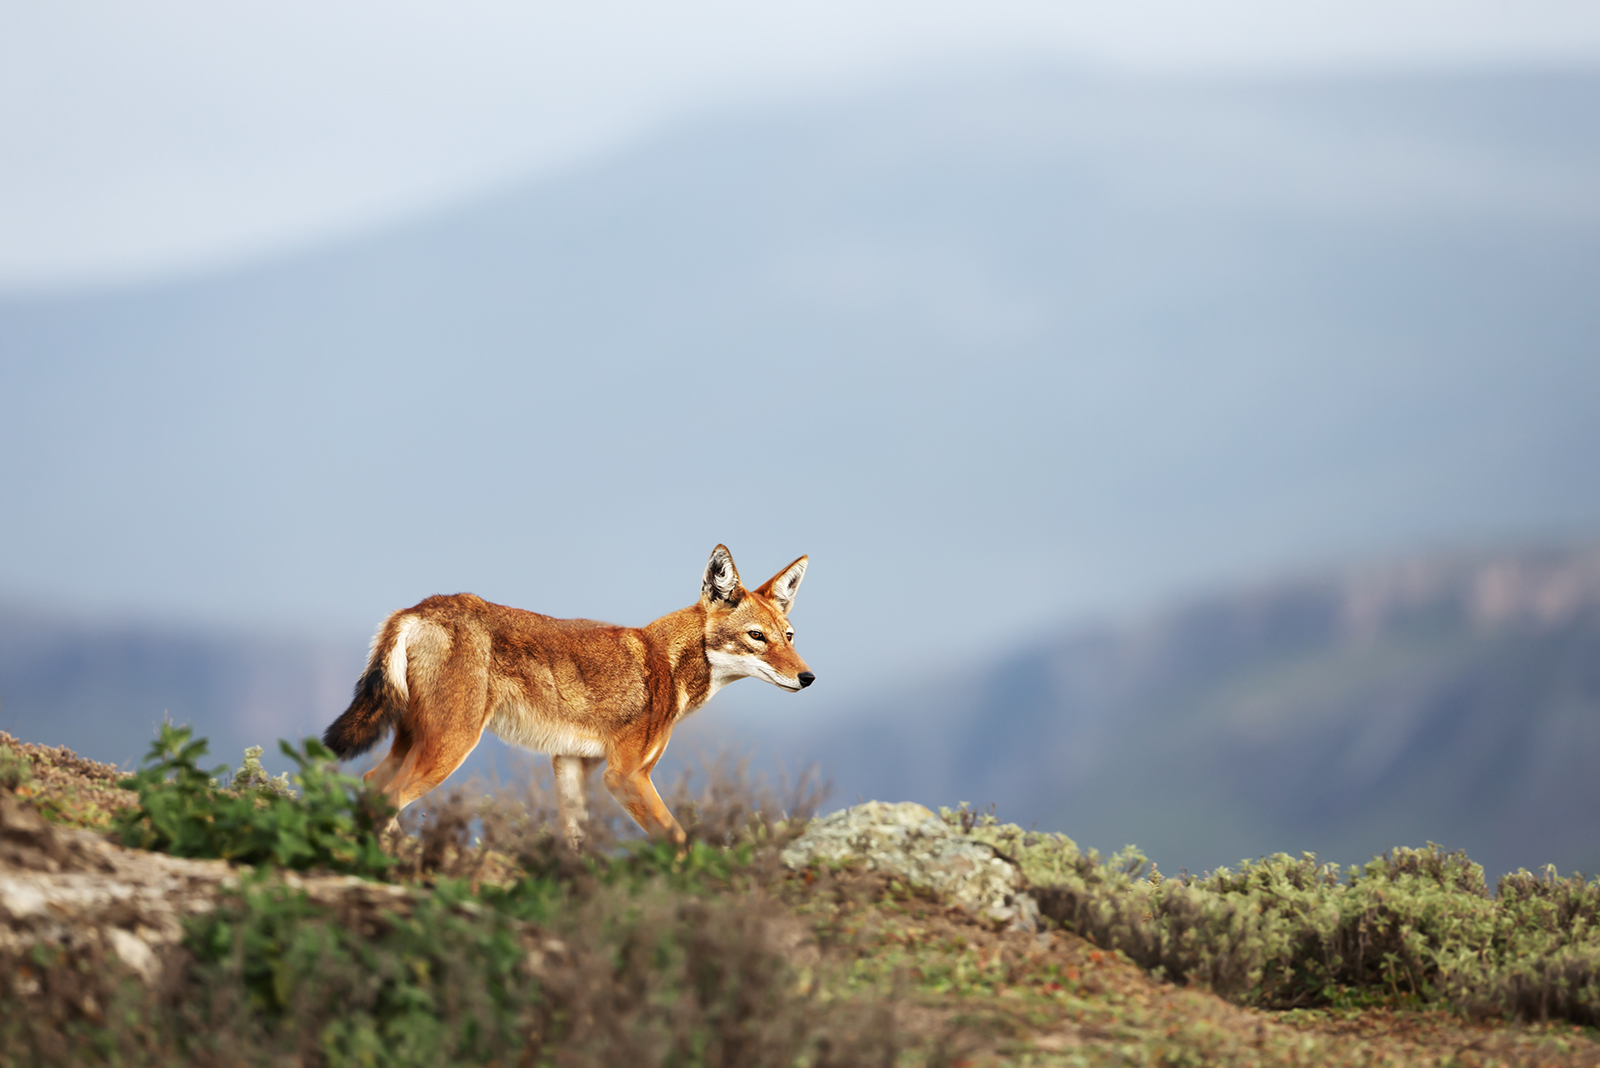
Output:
[[747, 631]]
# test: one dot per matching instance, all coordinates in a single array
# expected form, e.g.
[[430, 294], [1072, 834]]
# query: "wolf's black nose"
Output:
[[806, 679]]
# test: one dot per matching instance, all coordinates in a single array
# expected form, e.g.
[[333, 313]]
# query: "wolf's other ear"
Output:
[[721, 581], [785, 584]]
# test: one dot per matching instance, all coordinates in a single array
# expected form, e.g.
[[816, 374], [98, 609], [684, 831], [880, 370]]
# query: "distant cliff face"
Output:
[[1446, 697]]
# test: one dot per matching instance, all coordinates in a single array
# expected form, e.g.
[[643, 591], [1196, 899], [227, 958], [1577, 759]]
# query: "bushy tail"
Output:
[[377, 705]]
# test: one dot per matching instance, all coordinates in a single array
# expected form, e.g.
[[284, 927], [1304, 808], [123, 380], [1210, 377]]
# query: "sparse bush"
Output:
[[489, 830], [1412, 926], [332, 824], [14, 770], [722, 803]]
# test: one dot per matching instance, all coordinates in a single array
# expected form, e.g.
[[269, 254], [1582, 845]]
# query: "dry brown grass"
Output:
[[491, 828]]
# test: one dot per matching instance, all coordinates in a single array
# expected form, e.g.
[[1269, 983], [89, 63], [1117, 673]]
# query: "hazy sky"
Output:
[[995, 351], [975, 311], [165, 136], [1009, 313]]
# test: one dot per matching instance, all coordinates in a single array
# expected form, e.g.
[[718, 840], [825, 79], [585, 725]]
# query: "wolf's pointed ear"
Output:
[[721, 581], [785, 584]]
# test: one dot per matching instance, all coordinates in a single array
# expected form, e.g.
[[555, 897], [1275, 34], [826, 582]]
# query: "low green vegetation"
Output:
[[555, 968], [1413, 927], [330, 824], [15, 771], [481, 939]]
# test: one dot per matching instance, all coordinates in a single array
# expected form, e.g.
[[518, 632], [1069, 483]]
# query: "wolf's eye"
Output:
[[757, 635]]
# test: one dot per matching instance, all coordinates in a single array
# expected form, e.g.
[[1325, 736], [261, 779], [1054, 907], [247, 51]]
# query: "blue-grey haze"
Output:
[[995, 351]]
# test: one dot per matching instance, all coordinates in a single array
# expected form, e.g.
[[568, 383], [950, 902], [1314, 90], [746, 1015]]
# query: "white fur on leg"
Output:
[[569, 797]]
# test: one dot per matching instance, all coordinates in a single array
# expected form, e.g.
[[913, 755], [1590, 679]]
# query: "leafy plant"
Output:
[[444, 983], [334, 822], [253, 776], [638, 975], [14, 770]]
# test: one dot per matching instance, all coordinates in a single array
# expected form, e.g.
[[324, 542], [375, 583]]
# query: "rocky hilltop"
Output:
[[882, 933]]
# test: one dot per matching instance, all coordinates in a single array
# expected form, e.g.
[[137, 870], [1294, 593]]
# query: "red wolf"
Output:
[[582, 691]]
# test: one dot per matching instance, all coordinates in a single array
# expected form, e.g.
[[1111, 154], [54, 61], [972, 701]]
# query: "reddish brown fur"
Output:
[[581, 690]]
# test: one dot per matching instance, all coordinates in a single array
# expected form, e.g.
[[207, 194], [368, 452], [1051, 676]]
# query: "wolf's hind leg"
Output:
[[385, 770], [448, 711], [571, 775], [430, 763]]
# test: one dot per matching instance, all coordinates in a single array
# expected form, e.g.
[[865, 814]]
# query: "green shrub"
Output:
[[14, 770], [1413, 926], [444, 984], [334, 823], [603, 963], [252, 775], [627, 973]]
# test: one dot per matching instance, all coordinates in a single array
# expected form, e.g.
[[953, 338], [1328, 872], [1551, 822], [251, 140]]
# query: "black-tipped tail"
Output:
[[373, 712]]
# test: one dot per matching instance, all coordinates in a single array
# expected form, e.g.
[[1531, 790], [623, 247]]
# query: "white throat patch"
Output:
[[728, 667]]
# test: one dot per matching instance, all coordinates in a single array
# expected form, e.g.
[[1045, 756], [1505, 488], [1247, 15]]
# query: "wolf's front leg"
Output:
[[637, 794]]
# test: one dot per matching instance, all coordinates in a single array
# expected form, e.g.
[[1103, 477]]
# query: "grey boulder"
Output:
[[910, 842]]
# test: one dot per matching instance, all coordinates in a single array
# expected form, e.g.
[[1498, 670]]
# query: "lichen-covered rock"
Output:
[[908, 841]]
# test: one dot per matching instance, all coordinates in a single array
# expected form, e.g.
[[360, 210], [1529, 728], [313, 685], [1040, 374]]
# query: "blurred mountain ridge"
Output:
[[101, 687], [1452, 697]]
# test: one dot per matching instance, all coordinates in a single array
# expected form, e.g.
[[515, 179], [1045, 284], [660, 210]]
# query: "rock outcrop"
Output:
[[91, 899], [910, 842]]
